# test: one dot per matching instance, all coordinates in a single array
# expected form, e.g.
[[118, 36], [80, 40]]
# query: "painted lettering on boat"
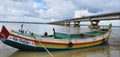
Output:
[[19, 40]]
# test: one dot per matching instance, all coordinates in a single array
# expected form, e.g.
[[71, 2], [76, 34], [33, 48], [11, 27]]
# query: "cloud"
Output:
[[18, 9], [83, 12], [65, 9], [98, 5], [58, 9], [52, 10]]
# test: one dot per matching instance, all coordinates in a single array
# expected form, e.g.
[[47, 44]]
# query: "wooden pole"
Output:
[[53, 32], [21, 27]]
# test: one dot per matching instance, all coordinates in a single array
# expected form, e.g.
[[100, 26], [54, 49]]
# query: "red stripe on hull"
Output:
[[36, 40]]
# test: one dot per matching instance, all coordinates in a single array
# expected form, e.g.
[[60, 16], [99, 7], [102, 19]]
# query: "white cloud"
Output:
[[52, 10], [15, 10], [83, 12], [98, 5], [58, 9]]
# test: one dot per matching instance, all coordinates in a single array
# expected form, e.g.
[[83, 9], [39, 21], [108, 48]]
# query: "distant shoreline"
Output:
[[21, 22], [43, 23]]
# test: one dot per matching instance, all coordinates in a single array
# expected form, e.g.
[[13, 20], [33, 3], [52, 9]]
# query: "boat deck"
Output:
[[73, 40], [89, 37]]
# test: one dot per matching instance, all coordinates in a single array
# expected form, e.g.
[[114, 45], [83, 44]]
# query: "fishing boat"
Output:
[[57, 41]]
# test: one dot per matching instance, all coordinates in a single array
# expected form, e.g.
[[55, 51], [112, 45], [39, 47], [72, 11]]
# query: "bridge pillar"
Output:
[[67, 23], [63, 23], [77, 24], [94, 24], [58, 23]]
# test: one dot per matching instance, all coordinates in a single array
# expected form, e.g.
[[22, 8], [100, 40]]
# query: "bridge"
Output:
[[94, 20]]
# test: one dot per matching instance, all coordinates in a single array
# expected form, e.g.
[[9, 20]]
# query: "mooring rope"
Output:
[[45, 48]]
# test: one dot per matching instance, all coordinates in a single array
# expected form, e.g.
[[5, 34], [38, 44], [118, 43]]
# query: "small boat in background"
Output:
[[57, 41]]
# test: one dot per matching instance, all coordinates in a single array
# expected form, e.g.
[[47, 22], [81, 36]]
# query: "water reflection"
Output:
[[102, 51]]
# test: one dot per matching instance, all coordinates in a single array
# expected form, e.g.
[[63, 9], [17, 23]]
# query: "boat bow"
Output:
[[4, 32]]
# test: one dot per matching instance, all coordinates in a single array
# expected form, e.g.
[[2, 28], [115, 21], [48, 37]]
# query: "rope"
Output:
[[45, 48]]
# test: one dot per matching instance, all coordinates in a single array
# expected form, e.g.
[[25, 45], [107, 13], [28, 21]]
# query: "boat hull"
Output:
[[26, 43], [40, 48]]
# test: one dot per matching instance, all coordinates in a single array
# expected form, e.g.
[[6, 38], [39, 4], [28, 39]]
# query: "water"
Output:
[[112, 49]]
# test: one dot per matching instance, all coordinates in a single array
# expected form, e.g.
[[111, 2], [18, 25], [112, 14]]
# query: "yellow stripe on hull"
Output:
[[87, 45], [74, 45], [53, 45]]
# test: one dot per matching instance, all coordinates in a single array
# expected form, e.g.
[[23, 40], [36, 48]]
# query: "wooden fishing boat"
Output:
[[59, 41]]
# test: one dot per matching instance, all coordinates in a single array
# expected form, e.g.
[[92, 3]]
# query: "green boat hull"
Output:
[[37, 48], [23, 42]]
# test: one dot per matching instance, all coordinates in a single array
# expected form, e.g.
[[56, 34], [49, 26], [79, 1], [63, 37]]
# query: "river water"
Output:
[[112, 49]]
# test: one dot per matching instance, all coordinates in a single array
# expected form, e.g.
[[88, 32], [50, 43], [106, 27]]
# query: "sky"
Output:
[[54, 10]]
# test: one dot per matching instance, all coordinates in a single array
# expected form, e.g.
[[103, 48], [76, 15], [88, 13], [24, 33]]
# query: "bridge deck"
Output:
[[106, 16]]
